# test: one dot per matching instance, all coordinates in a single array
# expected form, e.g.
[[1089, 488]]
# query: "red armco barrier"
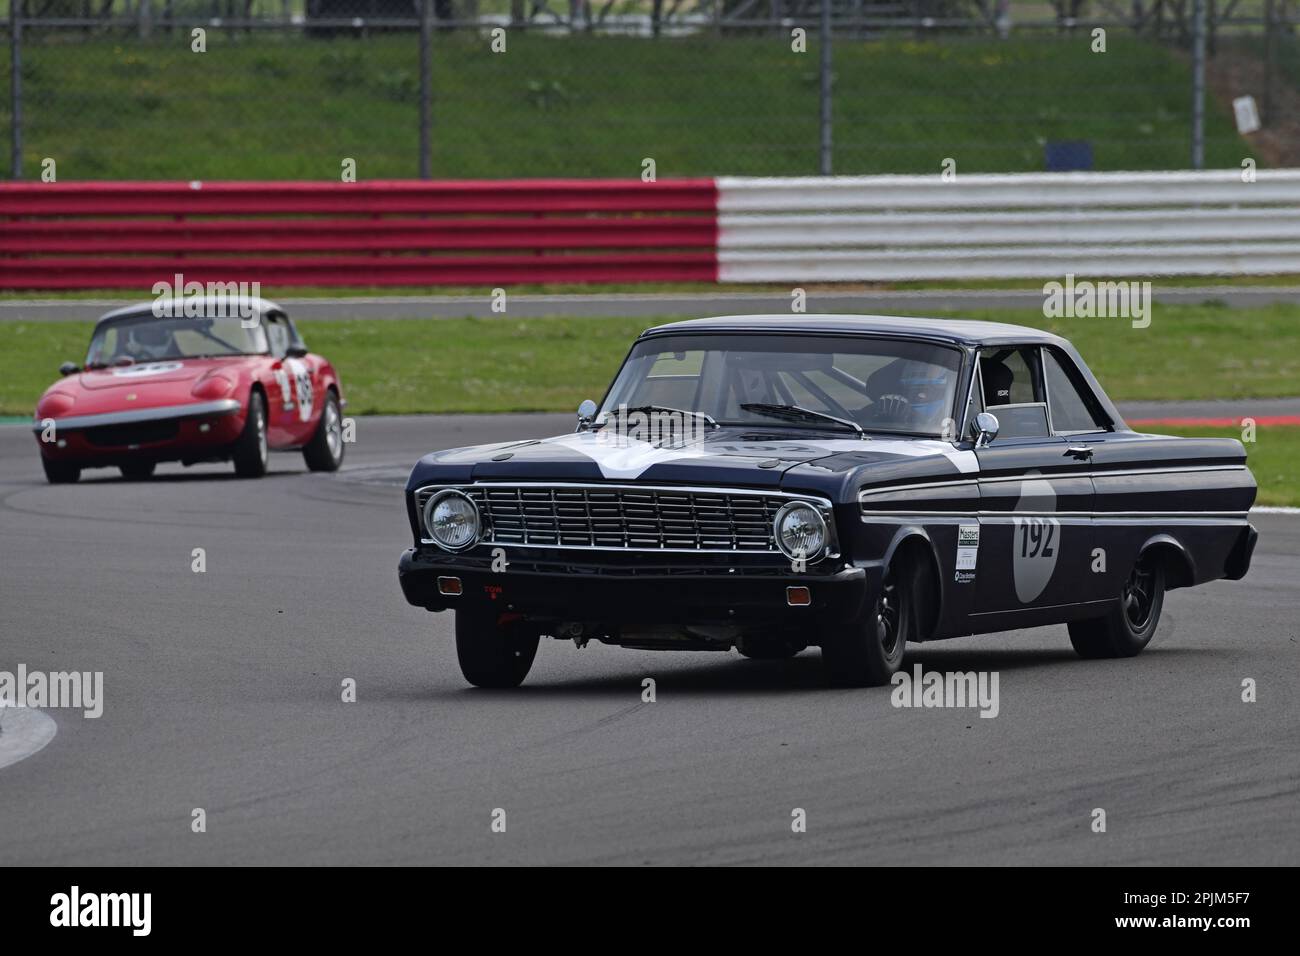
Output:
[[131, 235]]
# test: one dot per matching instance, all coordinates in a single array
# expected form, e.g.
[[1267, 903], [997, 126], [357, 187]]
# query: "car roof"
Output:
[[256, 303], [955, 331]]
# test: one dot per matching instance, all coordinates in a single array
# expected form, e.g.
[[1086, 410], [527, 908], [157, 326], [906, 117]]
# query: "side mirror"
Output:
[[296, 351], [586, 415], [985, 428], [67, 368]]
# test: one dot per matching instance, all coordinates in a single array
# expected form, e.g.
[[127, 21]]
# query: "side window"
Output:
[[1070, 412], [277, 334], [1010, 376], [1011, 382]]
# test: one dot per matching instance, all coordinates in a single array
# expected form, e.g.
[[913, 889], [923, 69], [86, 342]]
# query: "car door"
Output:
[[1035, 494], [294, 390]]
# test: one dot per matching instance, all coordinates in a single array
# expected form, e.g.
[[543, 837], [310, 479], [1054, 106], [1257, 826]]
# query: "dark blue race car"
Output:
[[847, 482]]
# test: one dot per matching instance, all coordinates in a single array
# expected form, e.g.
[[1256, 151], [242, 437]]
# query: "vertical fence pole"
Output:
[[16, 88], [1270, 53], [1198, 84], [825, 43], [426, 89]]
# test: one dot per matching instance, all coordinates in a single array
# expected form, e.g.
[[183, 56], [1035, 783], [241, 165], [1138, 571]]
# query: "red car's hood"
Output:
[[164, 376], [144, 385]]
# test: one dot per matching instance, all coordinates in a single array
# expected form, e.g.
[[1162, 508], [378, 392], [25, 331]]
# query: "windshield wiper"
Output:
[[662, 410], [796, 413]]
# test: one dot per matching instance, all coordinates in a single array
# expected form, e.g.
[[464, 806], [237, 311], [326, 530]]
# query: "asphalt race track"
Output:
[[222, 691]]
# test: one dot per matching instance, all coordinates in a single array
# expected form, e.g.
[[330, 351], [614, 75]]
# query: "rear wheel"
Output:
[[137, 470], [325, 450], [869, 650], [250, 450], [494, 650], [57, 473], [1131, 623]]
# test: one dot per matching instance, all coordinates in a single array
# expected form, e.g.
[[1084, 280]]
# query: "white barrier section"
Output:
[[1008, 226]]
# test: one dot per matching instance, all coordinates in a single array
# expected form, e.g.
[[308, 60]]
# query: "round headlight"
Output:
[[800, 531], [451, 519]]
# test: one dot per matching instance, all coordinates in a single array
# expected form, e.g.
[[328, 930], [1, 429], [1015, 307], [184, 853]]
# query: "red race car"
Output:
[[222, 380]]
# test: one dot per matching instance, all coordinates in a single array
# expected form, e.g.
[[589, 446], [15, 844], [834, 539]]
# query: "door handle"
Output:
[[1081, 452]]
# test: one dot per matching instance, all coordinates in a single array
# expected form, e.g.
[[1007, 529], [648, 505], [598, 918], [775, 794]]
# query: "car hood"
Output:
[[722, 457], [152, 374]]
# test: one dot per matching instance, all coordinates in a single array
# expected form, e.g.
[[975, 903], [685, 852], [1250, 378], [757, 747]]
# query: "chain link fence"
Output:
[[298, 89]]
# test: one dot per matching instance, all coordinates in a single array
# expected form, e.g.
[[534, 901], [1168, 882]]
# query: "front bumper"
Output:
[[193, 431], [631, 594]]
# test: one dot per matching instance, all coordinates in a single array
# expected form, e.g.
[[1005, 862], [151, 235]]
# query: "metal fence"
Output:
[[324, 89]]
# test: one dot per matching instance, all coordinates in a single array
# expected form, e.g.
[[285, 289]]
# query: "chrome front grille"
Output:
[[619, 517]]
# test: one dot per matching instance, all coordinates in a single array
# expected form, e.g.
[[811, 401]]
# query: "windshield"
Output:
[[144, 338], [777, 381]]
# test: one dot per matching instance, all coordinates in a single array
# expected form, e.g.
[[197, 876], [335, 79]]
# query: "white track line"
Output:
[[23, 732], [1274, 510]]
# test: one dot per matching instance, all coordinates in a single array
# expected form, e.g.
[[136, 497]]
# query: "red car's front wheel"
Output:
[[250, 450], [57, 473]]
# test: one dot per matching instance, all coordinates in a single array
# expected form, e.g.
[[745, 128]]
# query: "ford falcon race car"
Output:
[[847, 482], [219, 380]]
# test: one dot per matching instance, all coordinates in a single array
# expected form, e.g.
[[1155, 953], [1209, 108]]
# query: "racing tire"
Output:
[[325, 450], [769, 647], [137, 470], [868, 651], [1131, 623], [57, 473], [495, 650], [250, 452]]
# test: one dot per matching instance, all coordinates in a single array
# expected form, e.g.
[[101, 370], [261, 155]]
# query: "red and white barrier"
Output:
[[732, 229], [1005, 226], [131, 235]]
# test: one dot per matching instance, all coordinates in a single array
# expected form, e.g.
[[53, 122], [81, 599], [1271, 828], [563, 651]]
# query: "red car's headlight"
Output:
[[212, 386], [54, 404]]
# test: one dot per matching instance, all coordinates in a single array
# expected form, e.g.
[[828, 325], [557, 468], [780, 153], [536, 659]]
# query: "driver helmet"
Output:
[[148, 341], [925, 386]]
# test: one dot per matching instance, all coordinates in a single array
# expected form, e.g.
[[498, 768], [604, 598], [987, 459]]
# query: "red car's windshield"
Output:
[[148, 339]]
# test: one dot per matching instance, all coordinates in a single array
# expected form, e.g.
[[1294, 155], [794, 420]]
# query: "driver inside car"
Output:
[[148, 343], [907, 394]]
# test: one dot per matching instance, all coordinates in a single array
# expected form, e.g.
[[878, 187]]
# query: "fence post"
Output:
[[16, 87], [1198, 84], [825, 164], [426, 88], [1270, 54]]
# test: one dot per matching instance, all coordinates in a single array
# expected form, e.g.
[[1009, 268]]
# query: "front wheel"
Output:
[[57, 473], [494, 649], [870, 649], [325, 450], [1131, 623], [250, 451]]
